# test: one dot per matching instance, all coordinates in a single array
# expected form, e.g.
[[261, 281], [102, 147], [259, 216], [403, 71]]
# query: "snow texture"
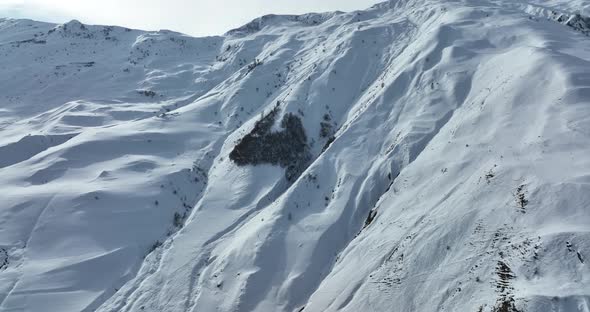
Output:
[[420, 155]]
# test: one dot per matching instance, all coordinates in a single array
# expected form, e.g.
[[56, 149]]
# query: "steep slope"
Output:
[[416, 156]]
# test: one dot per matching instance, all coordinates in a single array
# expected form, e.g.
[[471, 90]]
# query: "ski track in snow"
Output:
[[448, 166]]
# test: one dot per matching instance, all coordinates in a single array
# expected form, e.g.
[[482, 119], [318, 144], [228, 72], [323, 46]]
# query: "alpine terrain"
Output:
[[420, 155]]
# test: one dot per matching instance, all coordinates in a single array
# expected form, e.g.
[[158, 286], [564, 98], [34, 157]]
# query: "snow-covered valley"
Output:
[[420, 155]]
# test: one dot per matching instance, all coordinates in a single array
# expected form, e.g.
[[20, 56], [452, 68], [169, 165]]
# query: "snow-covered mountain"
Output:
[[420, 155]]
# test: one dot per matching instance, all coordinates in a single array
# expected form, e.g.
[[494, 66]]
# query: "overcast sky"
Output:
[[196, 17]]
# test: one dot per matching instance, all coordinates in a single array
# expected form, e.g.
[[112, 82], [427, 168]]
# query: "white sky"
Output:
[[196, 17]]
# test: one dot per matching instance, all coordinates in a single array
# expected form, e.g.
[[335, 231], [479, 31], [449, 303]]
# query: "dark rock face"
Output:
[[287, 148], [576, 21], [580, 23]]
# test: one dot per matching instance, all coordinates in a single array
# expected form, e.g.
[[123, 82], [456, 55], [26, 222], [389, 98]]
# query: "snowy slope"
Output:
[[420, 155]]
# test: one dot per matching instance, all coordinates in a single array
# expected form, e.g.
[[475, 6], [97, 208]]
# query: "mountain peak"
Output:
[[272, 20]]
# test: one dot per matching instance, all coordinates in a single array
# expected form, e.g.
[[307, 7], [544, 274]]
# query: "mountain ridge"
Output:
[[443, 166]]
